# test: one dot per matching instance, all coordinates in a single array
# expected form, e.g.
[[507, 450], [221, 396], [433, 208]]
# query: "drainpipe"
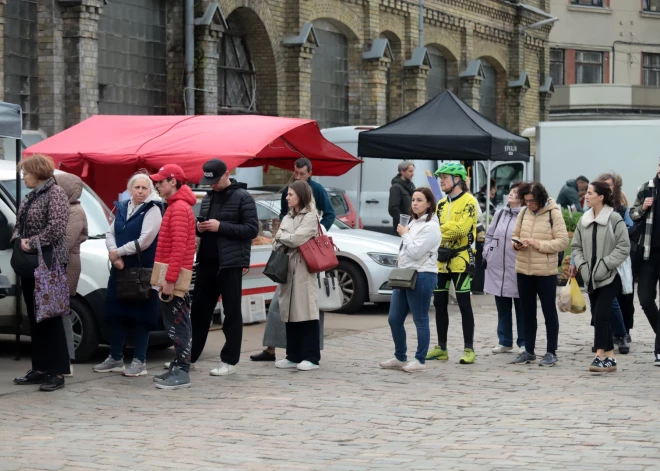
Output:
[[189, 94], [421, 23]]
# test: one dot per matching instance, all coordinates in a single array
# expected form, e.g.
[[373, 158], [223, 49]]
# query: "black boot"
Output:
[[32, 377], [263, 356], [52, 383]]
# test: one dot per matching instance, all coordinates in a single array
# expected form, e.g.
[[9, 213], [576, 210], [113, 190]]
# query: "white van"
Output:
[[88, 306]]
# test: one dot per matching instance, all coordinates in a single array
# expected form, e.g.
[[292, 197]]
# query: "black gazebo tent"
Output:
[[445, 128]]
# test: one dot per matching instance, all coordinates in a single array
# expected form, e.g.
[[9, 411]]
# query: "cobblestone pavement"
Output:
[[351, 415]]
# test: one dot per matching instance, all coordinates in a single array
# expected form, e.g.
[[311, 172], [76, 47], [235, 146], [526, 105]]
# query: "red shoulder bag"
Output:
[[319, 252]]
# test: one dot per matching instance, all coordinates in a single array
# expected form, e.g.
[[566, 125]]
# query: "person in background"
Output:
[[501, 278], [539, 236], [646, 211], [43, 214], [457, 213], [299, 306], [401, 192], [176, 249], [76, 234], [419, 249], [569, 195], [481, 198], [137, 220], [600, 245], [275, 332], [227, 224]]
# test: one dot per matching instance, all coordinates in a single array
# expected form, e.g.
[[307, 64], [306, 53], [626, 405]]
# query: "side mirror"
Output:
[[6, 230]]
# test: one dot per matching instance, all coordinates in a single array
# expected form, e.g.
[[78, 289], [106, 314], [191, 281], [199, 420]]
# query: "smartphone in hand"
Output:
[[516, 241]]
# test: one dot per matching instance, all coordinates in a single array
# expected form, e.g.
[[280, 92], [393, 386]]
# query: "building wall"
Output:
[[85, 66]]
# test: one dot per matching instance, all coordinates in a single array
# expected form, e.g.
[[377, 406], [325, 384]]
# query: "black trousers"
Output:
[[601, 310], [50, 352], [545, 287], [302, 342], [627, 305], [462, 287], [649, 275], [209, 285]]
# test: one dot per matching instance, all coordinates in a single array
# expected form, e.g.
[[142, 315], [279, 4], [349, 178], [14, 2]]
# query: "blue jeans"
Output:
[[140, 341], [505, 322], [616, 320], [418, 301]]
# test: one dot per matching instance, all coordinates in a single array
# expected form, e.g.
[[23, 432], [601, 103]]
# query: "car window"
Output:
[[338, 204]]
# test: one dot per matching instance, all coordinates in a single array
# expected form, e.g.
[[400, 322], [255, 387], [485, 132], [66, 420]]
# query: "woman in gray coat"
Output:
[[600, 245], [299, 296], [501, 278]]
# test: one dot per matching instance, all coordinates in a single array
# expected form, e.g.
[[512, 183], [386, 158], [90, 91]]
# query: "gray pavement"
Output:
[[350, 414]]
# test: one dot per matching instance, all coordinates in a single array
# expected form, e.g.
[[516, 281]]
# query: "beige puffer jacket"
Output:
[[553, 239]]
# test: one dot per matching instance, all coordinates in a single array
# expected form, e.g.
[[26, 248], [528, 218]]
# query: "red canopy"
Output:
[[106, 150]]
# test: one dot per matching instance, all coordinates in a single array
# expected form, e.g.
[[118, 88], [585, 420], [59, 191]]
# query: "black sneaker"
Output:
[[622, 345], [657, 359], [52, 383], [628, 339], [609, 364], [263, 356], [597, 366]]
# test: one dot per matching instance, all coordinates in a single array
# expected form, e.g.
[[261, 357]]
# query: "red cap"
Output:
[[169, 171]]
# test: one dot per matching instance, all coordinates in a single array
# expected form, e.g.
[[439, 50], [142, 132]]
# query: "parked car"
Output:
[[88, 306], [341, 203]]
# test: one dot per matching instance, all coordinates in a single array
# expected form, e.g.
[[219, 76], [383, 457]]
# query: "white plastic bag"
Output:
[[564, 298]]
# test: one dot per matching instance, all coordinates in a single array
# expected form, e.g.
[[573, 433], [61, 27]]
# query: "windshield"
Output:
[[98, 215]]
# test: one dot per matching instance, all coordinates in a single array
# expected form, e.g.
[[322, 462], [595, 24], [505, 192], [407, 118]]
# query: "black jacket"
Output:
[[239, 224], [400, 198]]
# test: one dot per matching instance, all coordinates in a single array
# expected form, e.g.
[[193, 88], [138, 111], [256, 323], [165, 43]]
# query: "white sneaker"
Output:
[[307, 366], [70, 375], [414, 367], [285, 364], [223, 369], [166, 366], [502, 349], [392, 364]]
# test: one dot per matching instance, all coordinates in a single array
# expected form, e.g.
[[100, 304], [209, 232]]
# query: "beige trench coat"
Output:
[[299, 296]]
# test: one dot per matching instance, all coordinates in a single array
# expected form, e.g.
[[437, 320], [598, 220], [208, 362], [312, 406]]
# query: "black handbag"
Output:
[[134, 284], [25, 263], [277, 267]]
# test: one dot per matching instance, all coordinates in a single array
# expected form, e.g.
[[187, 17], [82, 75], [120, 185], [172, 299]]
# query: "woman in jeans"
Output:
[[601, 245], [419, 248], [138, 221], [501, 280], [43, 215], [539, 236], [298, 297]]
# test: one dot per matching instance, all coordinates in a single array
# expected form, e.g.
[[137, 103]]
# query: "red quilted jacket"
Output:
[[176, 239]]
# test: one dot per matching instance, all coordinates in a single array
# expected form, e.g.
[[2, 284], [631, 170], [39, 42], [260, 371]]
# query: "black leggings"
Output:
[[462, 286], [545, 287], [601, 310]]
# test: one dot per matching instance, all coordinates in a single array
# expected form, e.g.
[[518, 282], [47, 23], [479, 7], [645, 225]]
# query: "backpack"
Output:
[[560, 255]]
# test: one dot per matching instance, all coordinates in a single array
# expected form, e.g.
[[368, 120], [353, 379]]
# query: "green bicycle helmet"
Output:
[[452, 168]]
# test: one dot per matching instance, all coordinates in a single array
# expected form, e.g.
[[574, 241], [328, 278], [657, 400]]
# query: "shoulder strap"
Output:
[[499, 216], [551, 221]]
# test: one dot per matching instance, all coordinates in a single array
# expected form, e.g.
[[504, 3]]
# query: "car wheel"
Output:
[[85, 331], [353, 285]]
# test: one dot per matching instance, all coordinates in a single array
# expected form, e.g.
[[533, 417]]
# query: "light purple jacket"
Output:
[[501, 279]]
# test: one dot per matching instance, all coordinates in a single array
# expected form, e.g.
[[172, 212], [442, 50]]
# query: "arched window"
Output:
[[329, 87], [436, 80], [488, 92], [236, 76]]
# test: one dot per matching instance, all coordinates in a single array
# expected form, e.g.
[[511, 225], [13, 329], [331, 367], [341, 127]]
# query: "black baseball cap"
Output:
[[213, 170]]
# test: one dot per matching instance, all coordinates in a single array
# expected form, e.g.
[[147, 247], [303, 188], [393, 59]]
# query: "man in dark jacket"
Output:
[[227, 223], [302, 170], [569, 194], [401, 192]]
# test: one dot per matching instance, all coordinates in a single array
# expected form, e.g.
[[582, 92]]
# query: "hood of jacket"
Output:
[[602, 219], [183, 194], [408, 184], [72, 186], [549, 206], [572, 183]]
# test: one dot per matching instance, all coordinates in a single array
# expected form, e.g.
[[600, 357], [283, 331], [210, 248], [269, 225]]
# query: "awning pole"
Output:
[[487, 197]]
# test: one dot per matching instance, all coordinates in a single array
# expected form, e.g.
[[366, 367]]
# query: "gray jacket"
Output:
[[610, 251], [501, 276]]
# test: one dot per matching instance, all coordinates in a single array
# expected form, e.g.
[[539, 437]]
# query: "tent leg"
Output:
[[487, 197], [19, 305]]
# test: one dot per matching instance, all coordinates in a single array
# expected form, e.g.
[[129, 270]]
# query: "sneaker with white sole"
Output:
[[392, 364], [137, 368], [414, 367], [110, 365], [166, 366], [177, 379], [70, 375], [223, 369], [502, 349], [657, 359], [284, 364], [307, 366]]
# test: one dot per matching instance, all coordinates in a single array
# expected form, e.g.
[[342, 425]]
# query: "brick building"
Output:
[[337, 61]]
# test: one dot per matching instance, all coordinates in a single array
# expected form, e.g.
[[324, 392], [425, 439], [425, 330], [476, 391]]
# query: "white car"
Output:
[[88, 306], [365, 257]]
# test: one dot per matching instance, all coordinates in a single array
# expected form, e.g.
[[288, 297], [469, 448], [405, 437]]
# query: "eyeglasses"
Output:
[[529, 200]]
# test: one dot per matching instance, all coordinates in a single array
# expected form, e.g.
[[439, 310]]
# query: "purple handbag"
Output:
[[51, 291]]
